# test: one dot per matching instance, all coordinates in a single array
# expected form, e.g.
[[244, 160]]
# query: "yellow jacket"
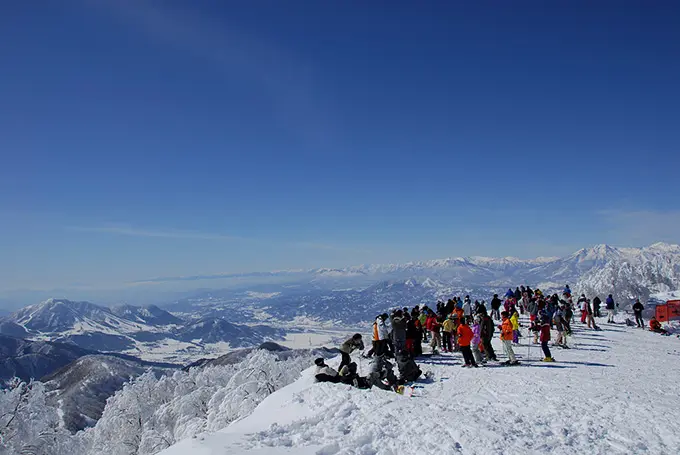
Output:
[[448, 325], [515, 321]]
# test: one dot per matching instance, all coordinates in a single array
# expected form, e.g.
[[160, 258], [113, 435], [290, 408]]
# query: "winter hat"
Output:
[[319, 361]]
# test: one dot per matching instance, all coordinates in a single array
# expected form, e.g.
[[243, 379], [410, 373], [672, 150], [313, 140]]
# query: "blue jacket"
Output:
[[610, 303], [510, 293]]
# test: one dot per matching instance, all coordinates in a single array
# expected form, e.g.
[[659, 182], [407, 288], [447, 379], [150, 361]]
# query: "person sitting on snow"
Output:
[[408, 369], [655, 326], [349, 376], [324, 373], [381, 374]]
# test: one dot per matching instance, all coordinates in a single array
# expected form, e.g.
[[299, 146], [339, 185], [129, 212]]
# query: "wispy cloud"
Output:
[[286, 77], [131, 231], [168, 234], [641, 227]]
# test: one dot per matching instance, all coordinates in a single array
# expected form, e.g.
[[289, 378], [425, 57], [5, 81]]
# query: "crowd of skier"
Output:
[[460, 325]]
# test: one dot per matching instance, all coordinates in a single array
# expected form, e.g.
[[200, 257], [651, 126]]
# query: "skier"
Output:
[[545, 337], [423, 322], [567, 291], [448, 326], [467, 308], [506, 338], [510, 293], [433, 327], [589, 316], [515, 327], [324, 373], [349, 346], [582, 306], [465, 336], [476, 339], [611, 308], [486, 333], [495, 307], [596, 307], [637, 309], [558, 320], [517, 294]]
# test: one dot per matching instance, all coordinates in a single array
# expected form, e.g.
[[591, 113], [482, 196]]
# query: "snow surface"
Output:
[[612, 393]]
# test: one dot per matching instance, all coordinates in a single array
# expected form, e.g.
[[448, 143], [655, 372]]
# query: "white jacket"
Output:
[[326, 370], [383, 330], [467, 308]]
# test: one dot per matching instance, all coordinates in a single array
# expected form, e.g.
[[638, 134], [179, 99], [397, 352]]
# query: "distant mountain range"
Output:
[[348, 296], [354, 294], [125, 328]]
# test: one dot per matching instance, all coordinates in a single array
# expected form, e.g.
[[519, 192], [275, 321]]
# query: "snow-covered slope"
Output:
[[81, 388], [61, 315], [598, 398]]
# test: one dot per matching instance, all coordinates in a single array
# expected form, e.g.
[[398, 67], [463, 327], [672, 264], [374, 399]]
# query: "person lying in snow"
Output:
[[655, 326], [324, 373]]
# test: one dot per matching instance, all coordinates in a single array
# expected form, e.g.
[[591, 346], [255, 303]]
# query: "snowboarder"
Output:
[[349, 346], [637, 309], [611, 308], [506, 338], [465, 336]]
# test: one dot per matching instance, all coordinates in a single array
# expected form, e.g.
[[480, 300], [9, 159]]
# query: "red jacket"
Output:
[[545, 333], [464, 335], [432, 324]]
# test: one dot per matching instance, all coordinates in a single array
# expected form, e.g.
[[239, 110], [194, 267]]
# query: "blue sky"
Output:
[[146, 138]]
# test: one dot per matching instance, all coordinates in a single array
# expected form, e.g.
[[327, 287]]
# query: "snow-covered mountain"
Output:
[[216, 330], [81, 388], [61, 315], [358, 293], [34, 359], [126, 328]]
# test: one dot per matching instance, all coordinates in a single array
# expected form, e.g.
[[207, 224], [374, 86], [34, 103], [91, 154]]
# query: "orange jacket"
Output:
[[654, 324], [506, 329], [465, 335]]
